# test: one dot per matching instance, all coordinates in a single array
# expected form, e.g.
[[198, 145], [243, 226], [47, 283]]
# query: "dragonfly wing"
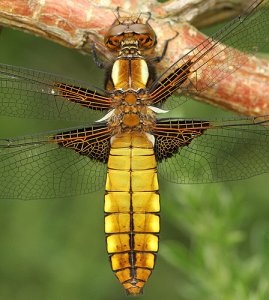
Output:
[[214, 58], [28, 93], [54, 164], [94, 142], [212, 151]]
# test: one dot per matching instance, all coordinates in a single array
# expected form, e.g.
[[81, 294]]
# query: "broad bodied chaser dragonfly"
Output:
[[124, 150]]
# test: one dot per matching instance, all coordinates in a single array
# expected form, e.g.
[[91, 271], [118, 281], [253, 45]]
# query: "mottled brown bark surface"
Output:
[[70, 22], [75, 23]]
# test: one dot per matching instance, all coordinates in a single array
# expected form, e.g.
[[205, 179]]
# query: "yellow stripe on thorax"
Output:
[[132, 209]]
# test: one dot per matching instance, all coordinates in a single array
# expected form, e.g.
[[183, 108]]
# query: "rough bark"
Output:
[[76, 23]]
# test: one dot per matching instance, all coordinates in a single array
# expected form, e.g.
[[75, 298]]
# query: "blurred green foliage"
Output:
[[214, 239]]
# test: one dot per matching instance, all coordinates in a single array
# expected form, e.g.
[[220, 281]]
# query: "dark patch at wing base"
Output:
[[93, 142], [26, 93], [37, 167], [84, 97], [169, 84], [229, 149], [170, 135], [215, 58]]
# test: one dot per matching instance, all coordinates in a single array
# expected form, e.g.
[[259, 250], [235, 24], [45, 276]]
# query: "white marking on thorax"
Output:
[[151, 138], [112, 139], [158, 110]]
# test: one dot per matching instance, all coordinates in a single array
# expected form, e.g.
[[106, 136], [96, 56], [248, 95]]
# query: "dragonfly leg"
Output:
[[157, 59]]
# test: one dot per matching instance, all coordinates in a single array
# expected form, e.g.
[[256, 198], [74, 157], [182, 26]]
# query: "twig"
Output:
[[76, 23]]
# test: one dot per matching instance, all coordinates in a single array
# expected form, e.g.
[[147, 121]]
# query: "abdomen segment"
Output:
[[132, 221]]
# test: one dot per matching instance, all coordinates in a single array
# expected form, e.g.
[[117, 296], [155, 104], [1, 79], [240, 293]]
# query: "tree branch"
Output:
[[76, 23], [199, 12]]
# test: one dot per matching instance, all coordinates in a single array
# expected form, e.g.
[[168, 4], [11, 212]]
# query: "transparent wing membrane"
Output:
[[73, 161], [27, 93], [221, 150], [215, 58], [42, 166]]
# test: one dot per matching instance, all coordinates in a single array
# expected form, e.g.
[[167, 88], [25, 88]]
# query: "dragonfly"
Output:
[[124, 145]]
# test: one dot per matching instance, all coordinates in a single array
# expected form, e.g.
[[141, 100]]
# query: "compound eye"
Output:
[[145, 41], [114, 42]]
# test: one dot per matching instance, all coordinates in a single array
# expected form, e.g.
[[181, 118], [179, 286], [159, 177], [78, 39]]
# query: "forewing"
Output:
[[54, 164], [28, 93], [214, 59], [223, 150]]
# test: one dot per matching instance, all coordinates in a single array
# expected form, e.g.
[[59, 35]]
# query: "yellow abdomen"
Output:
[[132, 221]]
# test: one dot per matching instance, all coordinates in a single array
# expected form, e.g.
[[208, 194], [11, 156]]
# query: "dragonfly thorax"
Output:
[[130, 74], [129, 48], [132, 111]]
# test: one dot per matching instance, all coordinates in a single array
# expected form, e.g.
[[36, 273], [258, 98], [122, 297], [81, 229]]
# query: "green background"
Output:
[[214, 238]]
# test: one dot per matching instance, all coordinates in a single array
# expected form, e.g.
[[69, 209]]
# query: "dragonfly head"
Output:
[[131, 27]]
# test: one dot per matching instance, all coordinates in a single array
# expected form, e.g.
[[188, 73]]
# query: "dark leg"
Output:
[[100, 64], [159, 58]]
